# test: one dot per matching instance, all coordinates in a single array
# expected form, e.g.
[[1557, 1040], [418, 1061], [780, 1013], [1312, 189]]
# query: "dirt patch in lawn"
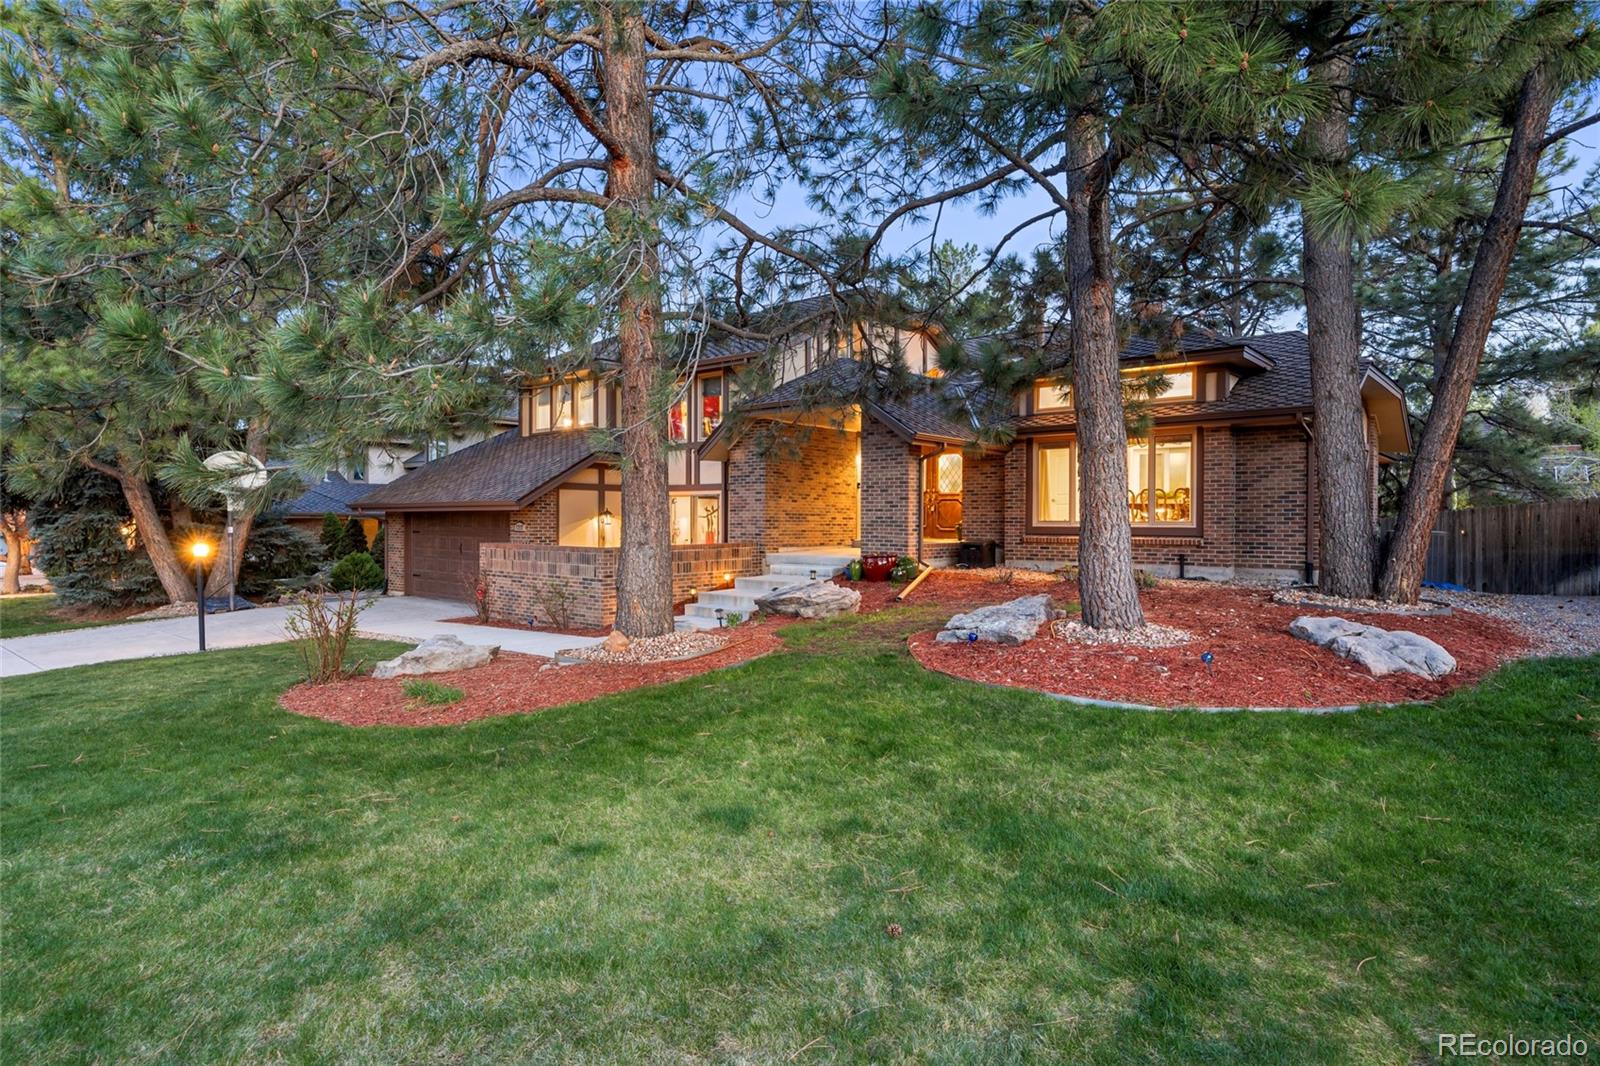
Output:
[[511, 684], [1255, 662]]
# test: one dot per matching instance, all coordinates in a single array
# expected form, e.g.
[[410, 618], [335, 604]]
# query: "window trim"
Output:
[[1034, 528]]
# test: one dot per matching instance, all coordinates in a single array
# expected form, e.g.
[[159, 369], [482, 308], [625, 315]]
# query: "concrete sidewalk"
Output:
[[409, 618]]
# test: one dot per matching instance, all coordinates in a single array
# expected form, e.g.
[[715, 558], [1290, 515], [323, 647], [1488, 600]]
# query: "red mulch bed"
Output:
[[1256, 662], [511, 684], [473, 620]]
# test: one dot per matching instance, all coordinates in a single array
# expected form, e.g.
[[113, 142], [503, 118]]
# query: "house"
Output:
[[334, 495], [844, 439]]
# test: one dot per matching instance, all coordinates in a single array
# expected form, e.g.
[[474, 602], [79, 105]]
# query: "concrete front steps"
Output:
[[788, 567]]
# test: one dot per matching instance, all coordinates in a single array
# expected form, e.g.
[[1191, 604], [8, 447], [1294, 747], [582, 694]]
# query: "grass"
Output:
[[431, 692], [707, 871], [26, 614]]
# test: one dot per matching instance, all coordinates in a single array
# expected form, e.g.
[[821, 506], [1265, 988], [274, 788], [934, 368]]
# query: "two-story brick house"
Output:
[[859, 445]]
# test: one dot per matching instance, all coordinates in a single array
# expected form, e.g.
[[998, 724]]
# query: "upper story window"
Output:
[[710, 404], [1052, 396], [577, 404], [437, 449], [1179, 386]]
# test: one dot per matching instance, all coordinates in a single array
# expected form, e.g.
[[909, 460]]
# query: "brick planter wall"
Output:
[[531, 582]]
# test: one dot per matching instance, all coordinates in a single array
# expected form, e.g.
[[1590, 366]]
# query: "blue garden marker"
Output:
[[1207, 658]]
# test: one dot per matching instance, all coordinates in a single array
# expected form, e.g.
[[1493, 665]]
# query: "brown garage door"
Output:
[[442, 558]]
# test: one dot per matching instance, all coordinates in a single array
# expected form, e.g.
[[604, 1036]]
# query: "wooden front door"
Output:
[[442, 559], [941, 496]]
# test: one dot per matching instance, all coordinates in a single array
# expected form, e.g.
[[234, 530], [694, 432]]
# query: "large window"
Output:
[[696, 519], [1161, 482], [589, 509]]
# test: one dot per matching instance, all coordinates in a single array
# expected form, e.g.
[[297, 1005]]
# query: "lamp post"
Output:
[[200, 551]]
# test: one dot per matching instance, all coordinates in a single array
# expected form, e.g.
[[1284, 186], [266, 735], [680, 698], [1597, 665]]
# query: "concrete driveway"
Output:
[[410, 618]]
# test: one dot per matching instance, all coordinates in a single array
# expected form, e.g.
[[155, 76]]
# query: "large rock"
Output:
[[1382, 651], [811, 599], [1002, 623], [436, 655]]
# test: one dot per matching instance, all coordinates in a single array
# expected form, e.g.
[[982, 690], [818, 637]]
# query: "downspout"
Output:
[[1311, 460], [922, 474]]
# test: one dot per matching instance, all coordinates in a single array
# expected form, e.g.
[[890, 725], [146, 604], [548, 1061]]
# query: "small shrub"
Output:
[[356, 571], [1068, 572], [1145, 579], [332, 535], [477, 590], [905, 568], [732, 618], [320, 628], [353, 539], [431, 693], [555, 601], [1003, 575]]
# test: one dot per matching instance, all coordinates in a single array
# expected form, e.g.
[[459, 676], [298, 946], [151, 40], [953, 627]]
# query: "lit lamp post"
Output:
[[200, 551]]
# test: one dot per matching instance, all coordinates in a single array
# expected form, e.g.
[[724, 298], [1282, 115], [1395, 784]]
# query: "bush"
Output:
[[356, 571], [332, 536], [81, 546], [321, 630], [277, 557], [1145, 579], [353, 539]]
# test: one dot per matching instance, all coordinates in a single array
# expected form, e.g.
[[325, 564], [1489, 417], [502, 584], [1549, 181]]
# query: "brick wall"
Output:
[[983, 497], [1273, 509], [539, 521], [890, 492], [793, 487], [394, 553], [531, 583]]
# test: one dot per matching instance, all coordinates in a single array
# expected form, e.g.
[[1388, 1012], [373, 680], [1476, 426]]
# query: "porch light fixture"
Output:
[[813, 575], [200, 551], [605, 518]]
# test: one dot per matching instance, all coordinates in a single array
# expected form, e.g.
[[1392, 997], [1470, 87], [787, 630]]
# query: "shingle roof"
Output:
[[1286, 386], [918, 407], [504, 471], [332, 495]]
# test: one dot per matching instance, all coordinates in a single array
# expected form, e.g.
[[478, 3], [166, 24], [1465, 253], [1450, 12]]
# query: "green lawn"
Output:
[[708, 872], [27, 614]]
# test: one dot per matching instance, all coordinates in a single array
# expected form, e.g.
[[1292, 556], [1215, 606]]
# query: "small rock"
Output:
[[436, 655], [1381, 651], [1001, 623], [616, 641], [811, 599]]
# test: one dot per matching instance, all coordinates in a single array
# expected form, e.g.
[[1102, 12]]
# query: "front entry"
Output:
[[941, 497]]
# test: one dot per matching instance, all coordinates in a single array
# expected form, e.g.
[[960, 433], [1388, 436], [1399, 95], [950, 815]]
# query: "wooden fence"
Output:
[[1549, 548]]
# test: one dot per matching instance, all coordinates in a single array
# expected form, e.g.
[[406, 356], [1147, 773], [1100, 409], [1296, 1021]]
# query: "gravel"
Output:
[[683, 644], [1311, 598], [1555, 625], [1149, 635]]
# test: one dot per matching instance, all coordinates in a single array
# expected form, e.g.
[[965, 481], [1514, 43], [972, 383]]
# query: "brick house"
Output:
[[843, 439]]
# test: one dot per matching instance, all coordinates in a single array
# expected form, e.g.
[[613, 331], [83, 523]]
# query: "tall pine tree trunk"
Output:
[[1430, 469], [1106, 585], [170, 570], [644, 565], [1333, 321], [11, 583]]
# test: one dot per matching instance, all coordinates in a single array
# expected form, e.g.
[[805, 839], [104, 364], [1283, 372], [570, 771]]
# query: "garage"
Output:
[[442, 550]]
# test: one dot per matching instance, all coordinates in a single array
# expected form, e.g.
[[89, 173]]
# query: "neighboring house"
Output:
[[389, 460], [842, 456], [333, 495]]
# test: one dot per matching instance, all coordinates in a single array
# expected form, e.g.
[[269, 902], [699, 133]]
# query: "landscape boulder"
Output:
[[1001, 623], [1382, 651], [810, 599], [436, 655], [616, 642]]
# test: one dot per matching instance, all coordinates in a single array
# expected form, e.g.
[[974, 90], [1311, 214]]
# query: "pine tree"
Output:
[[1058, 98], [352, 538], [175, 186], [332, 537]]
